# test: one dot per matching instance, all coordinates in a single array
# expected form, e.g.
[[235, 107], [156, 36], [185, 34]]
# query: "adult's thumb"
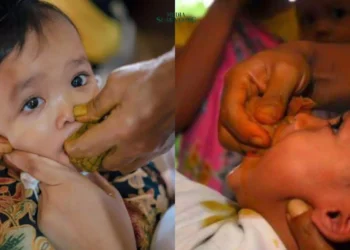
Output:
[[304, 231], [109, 97], [282, 84]]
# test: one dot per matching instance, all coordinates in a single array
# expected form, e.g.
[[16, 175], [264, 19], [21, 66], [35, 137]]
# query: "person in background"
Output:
[[240, 28], [324, 21]]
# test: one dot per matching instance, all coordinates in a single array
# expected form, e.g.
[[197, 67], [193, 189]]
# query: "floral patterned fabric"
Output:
[[143, 191]]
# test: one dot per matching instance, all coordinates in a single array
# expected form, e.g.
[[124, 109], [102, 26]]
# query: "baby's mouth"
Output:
[[65, 159]]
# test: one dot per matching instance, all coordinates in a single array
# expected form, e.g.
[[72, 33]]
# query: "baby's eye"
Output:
[[338, 13], [32, 104], [79, 81], [335, 126]]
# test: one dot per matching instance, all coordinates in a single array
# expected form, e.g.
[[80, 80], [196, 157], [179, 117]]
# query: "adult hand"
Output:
[[5, 146], [304, 231], [275, 75], [141, 122], [73, 212]]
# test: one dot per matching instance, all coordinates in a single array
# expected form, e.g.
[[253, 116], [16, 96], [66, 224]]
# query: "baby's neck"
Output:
[[275, 215]]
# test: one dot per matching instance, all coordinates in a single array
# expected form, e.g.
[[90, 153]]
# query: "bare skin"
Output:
[[324, 21], [198, 61], [278, 75], [140, 126], [312, 148], [40, 87]]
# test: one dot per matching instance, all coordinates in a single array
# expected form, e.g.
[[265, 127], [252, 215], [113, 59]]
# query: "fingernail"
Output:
[[296, 208], [80, 110], [258, 141], [268, 111]]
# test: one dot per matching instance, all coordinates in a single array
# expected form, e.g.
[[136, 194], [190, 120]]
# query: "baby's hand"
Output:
[[72, 208]]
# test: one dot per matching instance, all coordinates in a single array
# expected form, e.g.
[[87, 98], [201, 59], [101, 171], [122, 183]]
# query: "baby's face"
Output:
[[308, 160], [39, 88], [324, 20]]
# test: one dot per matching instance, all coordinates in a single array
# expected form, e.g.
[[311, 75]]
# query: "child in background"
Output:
[[44, 73], [324, 21]]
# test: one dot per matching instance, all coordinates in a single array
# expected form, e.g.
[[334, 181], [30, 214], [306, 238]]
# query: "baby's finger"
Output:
[[102, 183], [45, 170], [304, 231]]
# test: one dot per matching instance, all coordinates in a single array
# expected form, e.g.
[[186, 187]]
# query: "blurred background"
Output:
[[119, 32]]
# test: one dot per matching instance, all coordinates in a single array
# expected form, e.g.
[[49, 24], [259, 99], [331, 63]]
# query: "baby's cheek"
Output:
[[32, 138], [91, 91]]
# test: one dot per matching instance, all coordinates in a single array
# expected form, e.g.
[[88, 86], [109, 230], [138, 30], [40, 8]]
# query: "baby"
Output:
[[309, 160], [44, 73], [324, 20]]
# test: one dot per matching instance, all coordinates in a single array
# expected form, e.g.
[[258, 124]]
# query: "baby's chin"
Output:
[[64, 160]]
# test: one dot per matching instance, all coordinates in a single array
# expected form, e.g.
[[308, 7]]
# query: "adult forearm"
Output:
[[198, 60], [330, 86]]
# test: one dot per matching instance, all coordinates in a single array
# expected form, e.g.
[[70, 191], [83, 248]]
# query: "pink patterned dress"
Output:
[[201, 157]]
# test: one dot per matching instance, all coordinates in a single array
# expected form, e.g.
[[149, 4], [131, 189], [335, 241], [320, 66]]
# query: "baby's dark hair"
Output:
[[17, 17]]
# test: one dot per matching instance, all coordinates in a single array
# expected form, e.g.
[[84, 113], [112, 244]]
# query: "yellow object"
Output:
[[100, 33], [80, 110], [88, 164], [220, 211], [284, 25], [183, 31]]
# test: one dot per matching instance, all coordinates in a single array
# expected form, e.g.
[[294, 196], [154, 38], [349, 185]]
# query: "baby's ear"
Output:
[[300, 105], [334, 223]]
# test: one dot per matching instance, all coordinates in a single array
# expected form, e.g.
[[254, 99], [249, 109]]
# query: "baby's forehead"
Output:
[[42, 51]]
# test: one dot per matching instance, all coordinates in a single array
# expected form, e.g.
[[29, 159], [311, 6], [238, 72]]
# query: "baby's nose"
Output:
[[65, 115], [323, 31], [308, 121]]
